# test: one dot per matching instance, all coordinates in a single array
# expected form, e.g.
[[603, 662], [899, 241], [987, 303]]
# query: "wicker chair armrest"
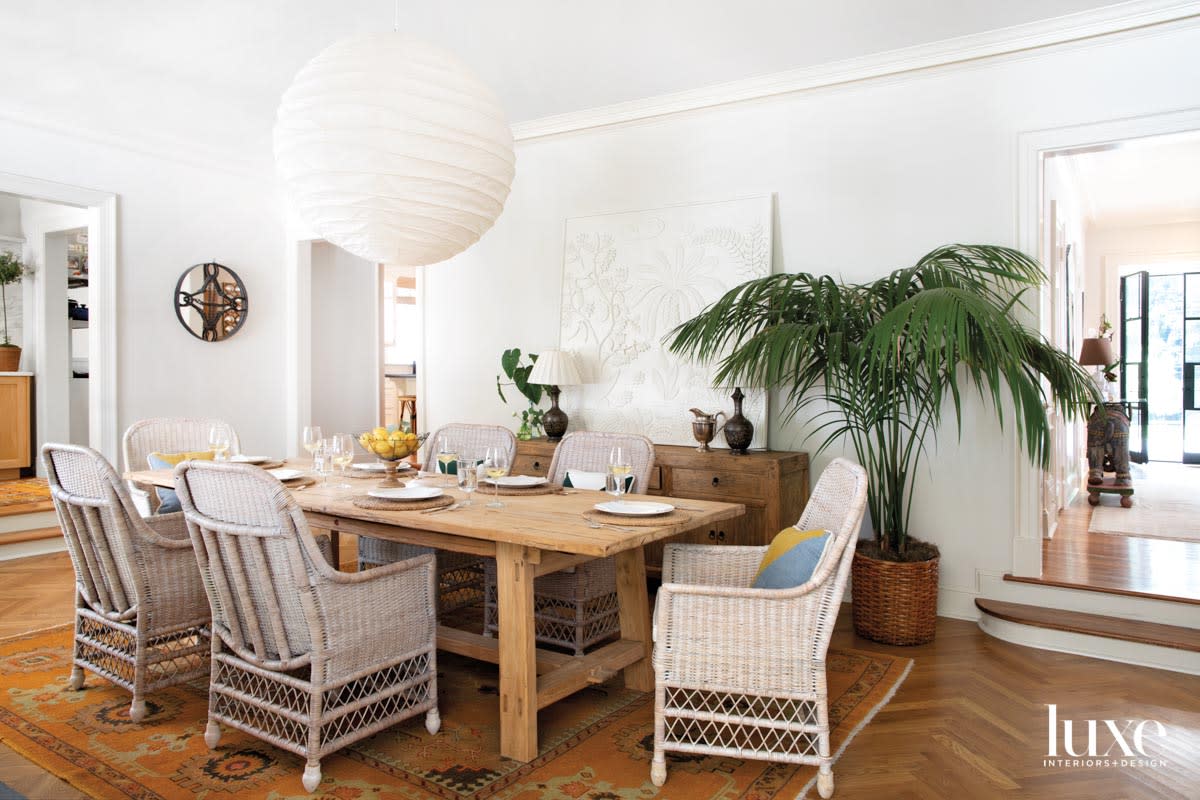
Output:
[[169, 531], [334, 576], [739, 637], [711, 565], [374, 620]]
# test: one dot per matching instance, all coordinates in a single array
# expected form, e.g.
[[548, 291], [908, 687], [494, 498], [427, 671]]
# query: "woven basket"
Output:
[[894, 603]]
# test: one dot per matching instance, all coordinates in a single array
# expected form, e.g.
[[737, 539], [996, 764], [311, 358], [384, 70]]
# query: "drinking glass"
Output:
[[468, 478], [620, 467], [323, 459], [312, 441], [342, 450], [495, 466], [446, 454], [218, 442]]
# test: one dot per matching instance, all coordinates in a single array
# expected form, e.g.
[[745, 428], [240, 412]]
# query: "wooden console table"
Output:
[[772, 485]]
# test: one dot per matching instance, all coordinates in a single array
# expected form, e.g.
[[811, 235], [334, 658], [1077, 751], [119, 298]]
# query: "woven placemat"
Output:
[[379, 504], [518, 491], [638, 522], [296, 483]]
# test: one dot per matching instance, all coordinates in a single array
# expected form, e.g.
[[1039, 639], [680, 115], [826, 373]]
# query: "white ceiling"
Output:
[[1154, 180], [209, 75]]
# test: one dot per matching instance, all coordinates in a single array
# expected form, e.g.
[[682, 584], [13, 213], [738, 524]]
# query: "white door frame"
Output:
[[102, 300], [1032, 148]]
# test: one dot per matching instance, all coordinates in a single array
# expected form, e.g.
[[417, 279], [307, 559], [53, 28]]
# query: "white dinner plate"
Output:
[[379, 466], [407, 493], [285, 474], [239, 459], [634, 508], [517, 481]]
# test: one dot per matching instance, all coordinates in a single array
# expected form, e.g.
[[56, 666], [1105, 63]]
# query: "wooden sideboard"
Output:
[[772, 485], [16, 448]]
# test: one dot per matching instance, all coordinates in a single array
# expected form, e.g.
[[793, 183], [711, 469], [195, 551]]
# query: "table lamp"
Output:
[[1097, 353], [555, 368]]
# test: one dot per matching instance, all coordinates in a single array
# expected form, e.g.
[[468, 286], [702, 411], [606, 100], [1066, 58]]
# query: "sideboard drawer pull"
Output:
[[712, 535], [720, 536], [716, 479]]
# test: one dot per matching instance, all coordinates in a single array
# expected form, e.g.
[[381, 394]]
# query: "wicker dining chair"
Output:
[[576, 609], [141, 616], [460, 575], [167, 435], [303, 656], [740, 672]]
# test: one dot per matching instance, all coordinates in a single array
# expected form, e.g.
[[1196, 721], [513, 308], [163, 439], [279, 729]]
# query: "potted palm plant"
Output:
[[11, 272], [876, 365]]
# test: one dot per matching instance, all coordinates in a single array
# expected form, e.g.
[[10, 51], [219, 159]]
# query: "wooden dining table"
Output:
[[532, 535]]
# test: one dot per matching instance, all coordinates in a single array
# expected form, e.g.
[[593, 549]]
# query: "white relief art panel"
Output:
[[628, 280]]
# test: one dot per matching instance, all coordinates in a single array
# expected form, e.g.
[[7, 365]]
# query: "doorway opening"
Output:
[[1121, 241]]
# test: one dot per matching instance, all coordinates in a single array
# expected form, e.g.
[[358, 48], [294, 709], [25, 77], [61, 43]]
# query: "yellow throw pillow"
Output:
[[792, 558]]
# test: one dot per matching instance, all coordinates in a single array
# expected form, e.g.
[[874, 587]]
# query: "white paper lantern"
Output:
[[394, 150]]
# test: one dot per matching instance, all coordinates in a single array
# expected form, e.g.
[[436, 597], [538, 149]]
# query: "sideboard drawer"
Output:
[[524, 464], [716, 483]]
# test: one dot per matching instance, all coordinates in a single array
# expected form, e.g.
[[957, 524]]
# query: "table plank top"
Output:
[[546, 522]]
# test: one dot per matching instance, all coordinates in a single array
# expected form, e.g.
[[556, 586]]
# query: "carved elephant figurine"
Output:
[[1108, 436]]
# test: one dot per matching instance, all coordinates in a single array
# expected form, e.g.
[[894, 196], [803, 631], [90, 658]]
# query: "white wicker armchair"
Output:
[[303, 656], [577, 609], [460, 575], [739, 671], [167, 435], [141, 616]]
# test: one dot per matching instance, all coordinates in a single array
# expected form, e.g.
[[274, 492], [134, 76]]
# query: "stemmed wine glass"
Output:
[[218, 442], [341, 447], [620, 468], [446, 455], [468, 477], [495, 466]]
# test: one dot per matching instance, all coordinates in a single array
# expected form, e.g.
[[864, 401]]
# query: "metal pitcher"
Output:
[[705, 428]]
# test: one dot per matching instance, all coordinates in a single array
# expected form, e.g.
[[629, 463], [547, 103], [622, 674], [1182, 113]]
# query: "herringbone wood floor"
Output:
[[969, 723]]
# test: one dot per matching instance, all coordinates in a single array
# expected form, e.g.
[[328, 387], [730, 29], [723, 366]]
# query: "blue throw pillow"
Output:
[[791, 559], [168, 501]]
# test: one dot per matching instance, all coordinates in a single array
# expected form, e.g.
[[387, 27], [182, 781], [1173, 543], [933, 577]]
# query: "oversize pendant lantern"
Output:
[[394, 150]]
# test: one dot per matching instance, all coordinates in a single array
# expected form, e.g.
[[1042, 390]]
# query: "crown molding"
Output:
[[165, 148], [1079, 27]]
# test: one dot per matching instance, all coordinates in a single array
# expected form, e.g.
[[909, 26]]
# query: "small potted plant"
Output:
[[11, 271], [518, 376]]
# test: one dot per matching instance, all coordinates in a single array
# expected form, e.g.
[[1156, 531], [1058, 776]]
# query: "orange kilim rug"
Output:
[[24, 490], [595, 744]]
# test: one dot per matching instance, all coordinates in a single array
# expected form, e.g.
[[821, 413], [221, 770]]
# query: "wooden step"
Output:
[[33, 507], [1093, 624], [1104, 588]]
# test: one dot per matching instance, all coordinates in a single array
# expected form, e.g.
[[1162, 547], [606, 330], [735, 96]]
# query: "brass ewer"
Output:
[[705, 428]]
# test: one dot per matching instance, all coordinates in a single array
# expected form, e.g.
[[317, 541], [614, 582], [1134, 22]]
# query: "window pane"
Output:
[[1132, 347], [1191, 347], [1193, 295], [1131, 390], [1191, 432], [1133, 295], [1135, 429]]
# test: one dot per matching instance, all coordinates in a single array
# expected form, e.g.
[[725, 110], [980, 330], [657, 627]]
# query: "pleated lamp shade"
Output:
[[394, 150]]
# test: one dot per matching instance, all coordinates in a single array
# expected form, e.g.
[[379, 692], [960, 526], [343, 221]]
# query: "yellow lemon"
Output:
[[382, 449], [380, 433], [411, 438]]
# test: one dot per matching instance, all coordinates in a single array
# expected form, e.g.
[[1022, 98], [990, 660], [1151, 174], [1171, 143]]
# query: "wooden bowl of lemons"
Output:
[[390, 445]]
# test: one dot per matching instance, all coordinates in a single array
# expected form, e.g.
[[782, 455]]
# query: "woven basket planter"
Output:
[[894, 603]]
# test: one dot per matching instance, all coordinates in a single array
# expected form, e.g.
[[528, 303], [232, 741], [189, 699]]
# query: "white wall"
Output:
[[345, 341], [868, 177], [170, 216]]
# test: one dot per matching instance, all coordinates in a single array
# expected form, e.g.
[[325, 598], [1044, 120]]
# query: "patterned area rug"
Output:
[[596, 744], [24, 490]]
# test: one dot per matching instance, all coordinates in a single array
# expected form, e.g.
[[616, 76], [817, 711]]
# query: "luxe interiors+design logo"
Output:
[[1109, 743]]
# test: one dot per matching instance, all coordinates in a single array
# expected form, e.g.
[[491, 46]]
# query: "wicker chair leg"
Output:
[[433, 721], [825, 780], [658, 769], [212, 735], [77, 675], [312, 775], [137, 709]]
